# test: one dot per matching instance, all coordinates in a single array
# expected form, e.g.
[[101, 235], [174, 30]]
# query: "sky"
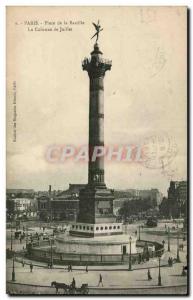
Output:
[[145, 92]]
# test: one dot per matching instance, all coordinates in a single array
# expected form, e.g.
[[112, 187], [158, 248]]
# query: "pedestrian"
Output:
[[23, 263], [31, 267], [169, 262], [183, 271], [149, 275], [147, 256], [73, 284], [100, 280], [139, 258], [86, 268], [70, 268]]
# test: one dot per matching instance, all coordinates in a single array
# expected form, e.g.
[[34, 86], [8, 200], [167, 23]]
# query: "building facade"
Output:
[[177, 199], [21, 208], [60, 206]]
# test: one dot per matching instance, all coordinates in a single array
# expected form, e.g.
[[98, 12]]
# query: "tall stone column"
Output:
[[96, 68], [96, 201]]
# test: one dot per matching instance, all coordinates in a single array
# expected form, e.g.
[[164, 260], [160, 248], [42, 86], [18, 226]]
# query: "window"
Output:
[[118, 227], [80, 227], [110, 227], [91, 228], [97, 228], [87, 227], [106, 227], [84, 227], [72, 226], [76, 226], [101, 228], [114, 227]]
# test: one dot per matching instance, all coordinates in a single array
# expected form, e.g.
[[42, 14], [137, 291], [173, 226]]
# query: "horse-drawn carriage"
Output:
[[69, 289]]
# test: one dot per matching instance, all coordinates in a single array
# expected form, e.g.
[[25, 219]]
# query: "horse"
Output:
[[59, 285]]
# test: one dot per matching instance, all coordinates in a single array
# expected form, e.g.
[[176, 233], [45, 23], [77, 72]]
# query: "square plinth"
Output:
[[92, 230]]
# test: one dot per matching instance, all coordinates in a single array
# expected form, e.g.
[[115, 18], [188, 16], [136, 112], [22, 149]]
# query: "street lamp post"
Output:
[[11, 238], [168, 239], [13, 269], [178, 255], [130, 267], [27, 236], [159, 274], [139, 232], [51, 254]]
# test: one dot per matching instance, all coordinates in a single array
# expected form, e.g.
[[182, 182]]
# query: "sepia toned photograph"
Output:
[[96, 150]]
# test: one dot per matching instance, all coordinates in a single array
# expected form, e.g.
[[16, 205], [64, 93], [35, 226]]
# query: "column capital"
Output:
[[96, 66]]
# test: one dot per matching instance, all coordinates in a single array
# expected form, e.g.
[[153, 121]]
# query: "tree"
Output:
[[135, 206]]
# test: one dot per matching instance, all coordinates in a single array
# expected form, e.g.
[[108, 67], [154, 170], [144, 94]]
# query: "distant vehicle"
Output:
[[151, 222], [17, 234]]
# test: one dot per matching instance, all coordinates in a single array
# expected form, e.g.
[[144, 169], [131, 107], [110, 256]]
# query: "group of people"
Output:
[[30, 266], [69, 268], [170, 262], [50, 265], [22, 236], [142, 257], [181, 247]]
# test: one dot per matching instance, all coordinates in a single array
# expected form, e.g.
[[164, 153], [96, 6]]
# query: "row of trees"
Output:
[[135, 206]]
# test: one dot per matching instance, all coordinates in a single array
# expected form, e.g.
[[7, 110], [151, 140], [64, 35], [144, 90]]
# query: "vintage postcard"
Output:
[[97, 190]]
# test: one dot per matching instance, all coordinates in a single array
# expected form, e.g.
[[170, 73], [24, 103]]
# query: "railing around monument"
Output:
[[40, 251], [104, 61]]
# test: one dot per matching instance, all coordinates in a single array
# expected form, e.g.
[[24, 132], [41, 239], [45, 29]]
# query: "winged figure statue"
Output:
[[98, 29]]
